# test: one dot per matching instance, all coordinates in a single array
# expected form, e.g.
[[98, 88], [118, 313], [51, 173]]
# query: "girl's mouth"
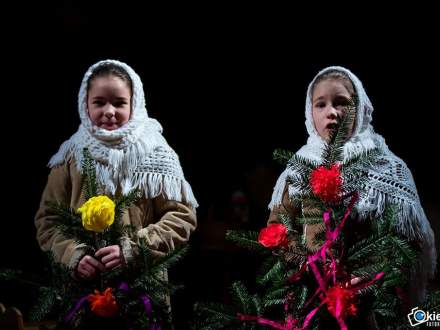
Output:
[[109, 126], [331, 126]]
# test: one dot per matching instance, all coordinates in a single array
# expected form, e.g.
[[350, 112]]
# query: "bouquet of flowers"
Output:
[[133, 296]]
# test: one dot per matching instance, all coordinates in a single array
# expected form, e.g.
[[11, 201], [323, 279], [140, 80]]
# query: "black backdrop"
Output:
[[228, 85]]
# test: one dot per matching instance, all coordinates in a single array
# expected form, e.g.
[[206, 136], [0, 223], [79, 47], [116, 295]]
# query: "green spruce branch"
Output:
[[247, 240], [89, 183]]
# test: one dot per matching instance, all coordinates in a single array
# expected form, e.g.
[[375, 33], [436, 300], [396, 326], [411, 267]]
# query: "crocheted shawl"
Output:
[[135, 155]]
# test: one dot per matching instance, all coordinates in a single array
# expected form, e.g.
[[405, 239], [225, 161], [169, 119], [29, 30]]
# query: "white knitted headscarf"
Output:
[[388, 182], [135, 155]]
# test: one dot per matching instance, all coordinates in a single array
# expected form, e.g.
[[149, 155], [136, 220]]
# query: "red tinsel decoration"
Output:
[[341, 301], [273, 235], [103, 305], [327, 183]]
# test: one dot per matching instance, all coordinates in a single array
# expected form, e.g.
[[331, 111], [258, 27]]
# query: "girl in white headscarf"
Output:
[[130, 153], [389, 182]]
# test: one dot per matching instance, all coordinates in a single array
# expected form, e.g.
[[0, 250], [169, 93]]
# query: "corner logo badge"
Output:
[[419, 316]]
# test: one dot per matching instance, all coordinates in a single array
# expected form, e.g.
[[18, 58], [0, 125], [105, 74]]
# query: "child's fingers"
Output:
[[116, 254], [85, 270], [108, 253], [112, 264], [103, 251], [108, 250], [356, 280], [109, 257], [95, 264], [83, 274]]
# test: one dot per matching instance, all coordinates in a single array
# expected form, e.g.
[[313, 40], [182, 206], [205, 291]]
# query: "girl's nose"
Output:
[[109, 112], [332, 113]]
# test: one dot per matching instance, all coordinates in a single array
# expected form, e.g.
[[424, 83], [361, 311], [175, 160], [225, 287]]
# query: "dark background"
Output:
[[228, 85]]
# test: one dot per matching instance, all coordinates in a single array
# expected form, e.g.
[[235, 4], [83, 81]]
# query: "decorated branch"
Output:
[[343, 275], [133, 296]]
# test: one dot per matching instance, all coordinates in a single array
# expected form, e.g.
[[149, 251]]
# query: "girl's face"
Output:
[[330, 99], [109, 102]]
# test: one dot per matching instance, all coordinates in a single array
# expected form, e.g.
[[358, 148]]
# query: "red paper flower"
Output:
[[273, 235], [103, 305], [326, 183], [341, 301]]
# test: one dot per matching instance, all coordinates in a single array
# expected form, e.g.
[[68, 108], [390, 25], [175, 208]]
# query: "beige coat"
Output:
[[309, 231], [161, 223]]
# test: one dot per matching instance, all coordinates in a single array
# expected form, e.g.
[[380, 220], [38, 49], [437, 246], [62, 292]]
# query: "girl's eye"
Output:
[[341, 104], [320, 105], [98, 103], [342, 101], [120, 104]]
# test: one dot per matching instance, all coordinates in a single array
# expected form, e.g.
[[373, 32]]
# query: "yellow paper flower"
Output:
[[98, 213]]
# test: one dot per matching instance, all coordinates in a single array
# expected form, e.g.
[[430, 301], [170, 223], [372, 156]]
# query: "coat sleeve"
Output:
[[58, 189], [173, 227], [284, 207], [308, 232]]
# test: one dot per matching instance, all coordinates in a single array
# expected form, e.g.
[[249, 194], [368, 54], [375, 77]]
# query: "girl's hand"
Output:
[[353, 282], [88, 267], [110, 256]]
